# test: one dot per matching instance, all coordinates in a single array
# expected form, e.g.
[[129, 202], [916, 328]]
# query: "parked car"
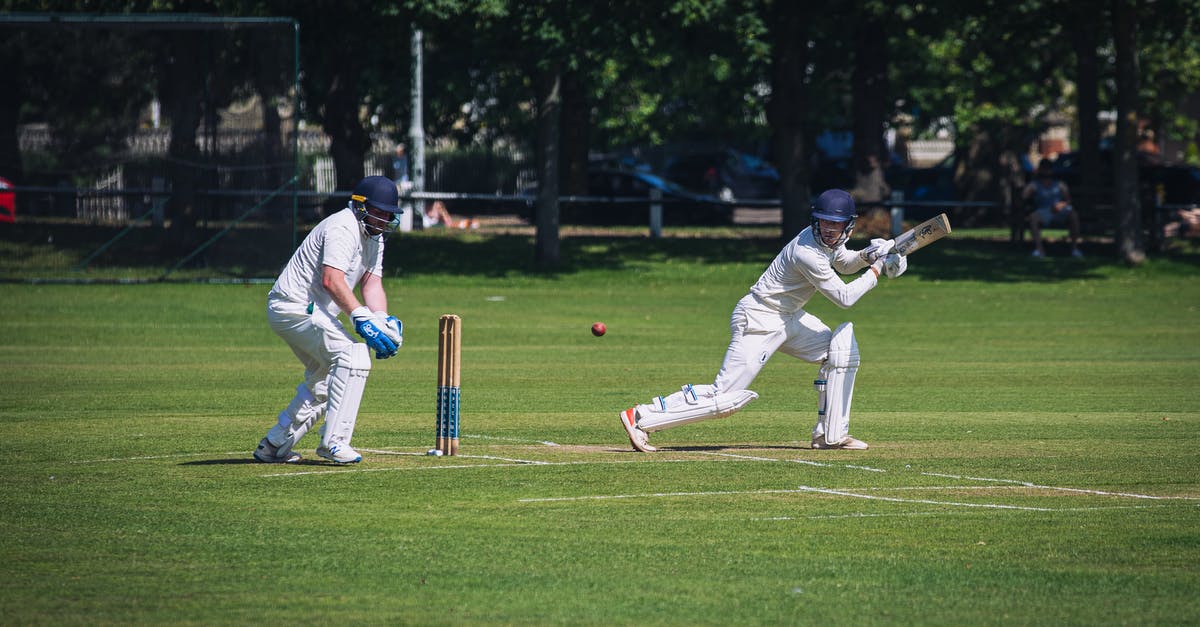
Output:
[[831, 173], [726, 173], [1180, 182], [8, 201], [934, 183], [680, 206]]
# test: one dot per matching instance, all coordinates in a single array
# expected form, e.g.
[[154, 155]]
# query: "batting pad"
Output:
[[295, 420], [835, 386], [347, 380], [690, 405]]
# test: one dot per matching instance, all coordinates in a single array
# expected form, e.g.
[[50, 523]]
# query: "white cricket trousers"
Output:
[[757, 331], [315, 338]]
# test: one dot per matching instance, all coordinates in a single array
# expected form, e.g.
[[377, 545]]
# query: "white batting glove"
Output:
[[878, 248], [391, 326], [877, 267], [894, 265]]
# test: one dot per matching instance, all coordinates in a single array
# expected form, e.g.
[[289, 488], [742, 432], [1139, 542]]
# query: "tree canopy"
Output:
[[632, 74]]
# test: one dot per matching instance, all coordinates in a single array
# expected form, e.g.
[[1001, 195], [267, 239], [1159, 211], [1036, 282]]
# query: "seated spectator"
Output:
[[1051, 206], [1186, 224], [437, 215], [870, 185], [870, 188]]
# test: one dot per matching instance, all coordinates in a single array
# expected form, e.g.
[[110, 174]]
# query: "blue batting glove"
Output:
[[377, 340]]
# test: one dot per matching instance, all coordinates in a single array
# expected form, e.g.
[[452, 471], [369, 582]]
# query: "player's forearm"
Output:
[[334, 282], [374, 296], [844, 295]]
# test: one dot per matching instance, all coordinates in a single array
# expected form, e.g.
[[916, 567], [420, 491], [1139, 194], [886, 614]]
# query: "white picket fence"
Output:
[[95, 206], [325, 175], [927, 152]]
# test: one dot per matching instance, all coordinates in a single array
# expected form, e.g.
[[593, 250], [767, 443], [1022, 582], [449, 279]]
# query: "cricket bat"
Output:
[[922, 235]]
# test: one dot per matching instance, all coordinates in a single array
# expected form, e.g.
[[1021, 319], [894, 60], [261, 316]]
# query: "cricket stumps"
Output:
[[449, 352]]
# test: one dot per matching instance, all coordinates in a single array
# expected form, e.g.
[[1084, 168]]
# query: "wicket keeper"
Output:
[[344, 251], [772, 318]]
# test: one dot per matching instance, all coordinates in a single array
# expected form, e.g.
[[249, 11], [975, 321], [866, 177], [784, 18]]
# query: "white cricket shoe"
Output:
[[340, 454], [849, 443], [638, 438], [268, 453]]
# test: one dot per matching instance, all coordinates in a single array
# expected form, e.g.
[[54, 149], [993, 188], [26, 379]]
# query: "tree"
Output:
[[870, 82], [53, 72], [1126, 197], [1085, 36], [787, 109]]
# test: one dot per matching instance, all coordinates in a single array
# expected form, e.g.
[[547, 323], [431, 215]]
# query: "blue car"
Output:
[[727, 174]]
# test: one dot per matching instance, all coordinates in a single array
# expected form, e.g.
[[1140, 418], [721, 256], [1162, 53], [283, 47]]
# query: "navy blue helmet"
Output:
[[378, 192], [834, 205]]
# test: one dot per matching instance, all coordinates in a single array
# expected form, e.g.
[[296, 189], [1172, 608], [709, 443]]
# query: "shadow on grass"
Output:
[[964, 258], [505, 255], [53, 250], [239, 461], [248, 460], [734, 448]]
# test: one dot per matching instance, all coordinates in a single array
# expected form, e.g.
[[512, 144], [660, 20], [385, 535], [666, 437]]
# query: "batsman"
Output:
[[772, 318], [343, 252]]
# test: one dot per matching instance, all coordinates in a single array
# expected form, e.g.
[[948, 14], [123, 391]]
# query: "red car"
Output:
[[8, 202]]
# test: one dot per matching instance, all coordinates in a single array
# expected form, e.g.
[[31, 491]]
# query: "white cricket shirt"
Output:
[[803, 268], [338, 242]]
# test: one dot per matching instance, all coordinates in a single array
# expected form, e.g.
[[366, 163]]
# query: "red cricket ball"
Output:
[[599, 329]]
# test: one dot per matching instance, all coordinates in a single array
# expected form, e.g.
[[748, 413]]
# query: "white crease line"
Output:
[[492, 437], [1064, 489], [379, 451], [607, 497], [867, 468], [520, 462], [923, 501], [411, 454], [510, 465], [939, 513], [791, 461]]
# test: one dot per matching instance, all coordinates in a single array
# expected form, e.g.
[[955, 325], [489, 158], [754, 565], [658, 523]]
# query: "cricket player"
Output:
[[344, 251], [772, 318]]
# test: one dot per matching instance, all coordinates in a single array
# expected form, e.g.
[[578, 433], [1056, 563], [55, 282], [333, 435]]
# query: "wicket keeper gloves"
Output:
[[377, 340], [878, 248]]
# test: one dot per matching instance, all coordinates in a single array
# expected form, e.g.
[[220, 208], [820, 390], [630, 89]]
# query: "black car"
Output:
[[1179, 183]]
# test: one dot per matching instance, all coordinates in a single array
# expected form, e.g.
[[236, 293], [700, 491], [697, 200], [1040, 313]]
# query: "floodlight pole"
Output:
[[416, 130], [295, 131]]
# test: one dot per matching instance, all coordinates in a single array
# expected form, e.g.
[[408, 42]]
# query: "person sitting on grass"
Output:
[[437, 215]]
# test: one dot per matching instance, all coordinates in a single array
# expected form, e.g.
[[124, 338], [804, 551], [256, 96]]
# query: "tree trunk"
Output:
[[786, 112], [1126, 199], [1087, 100], [870, 87], [549, 112], [349, 141], [576, 128], [10, 109], [182, 89], [270, 89]]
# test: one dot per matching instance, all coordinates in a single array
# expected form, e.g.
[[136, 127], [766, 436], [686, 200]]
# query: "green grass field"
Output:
[[1033, 425]]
